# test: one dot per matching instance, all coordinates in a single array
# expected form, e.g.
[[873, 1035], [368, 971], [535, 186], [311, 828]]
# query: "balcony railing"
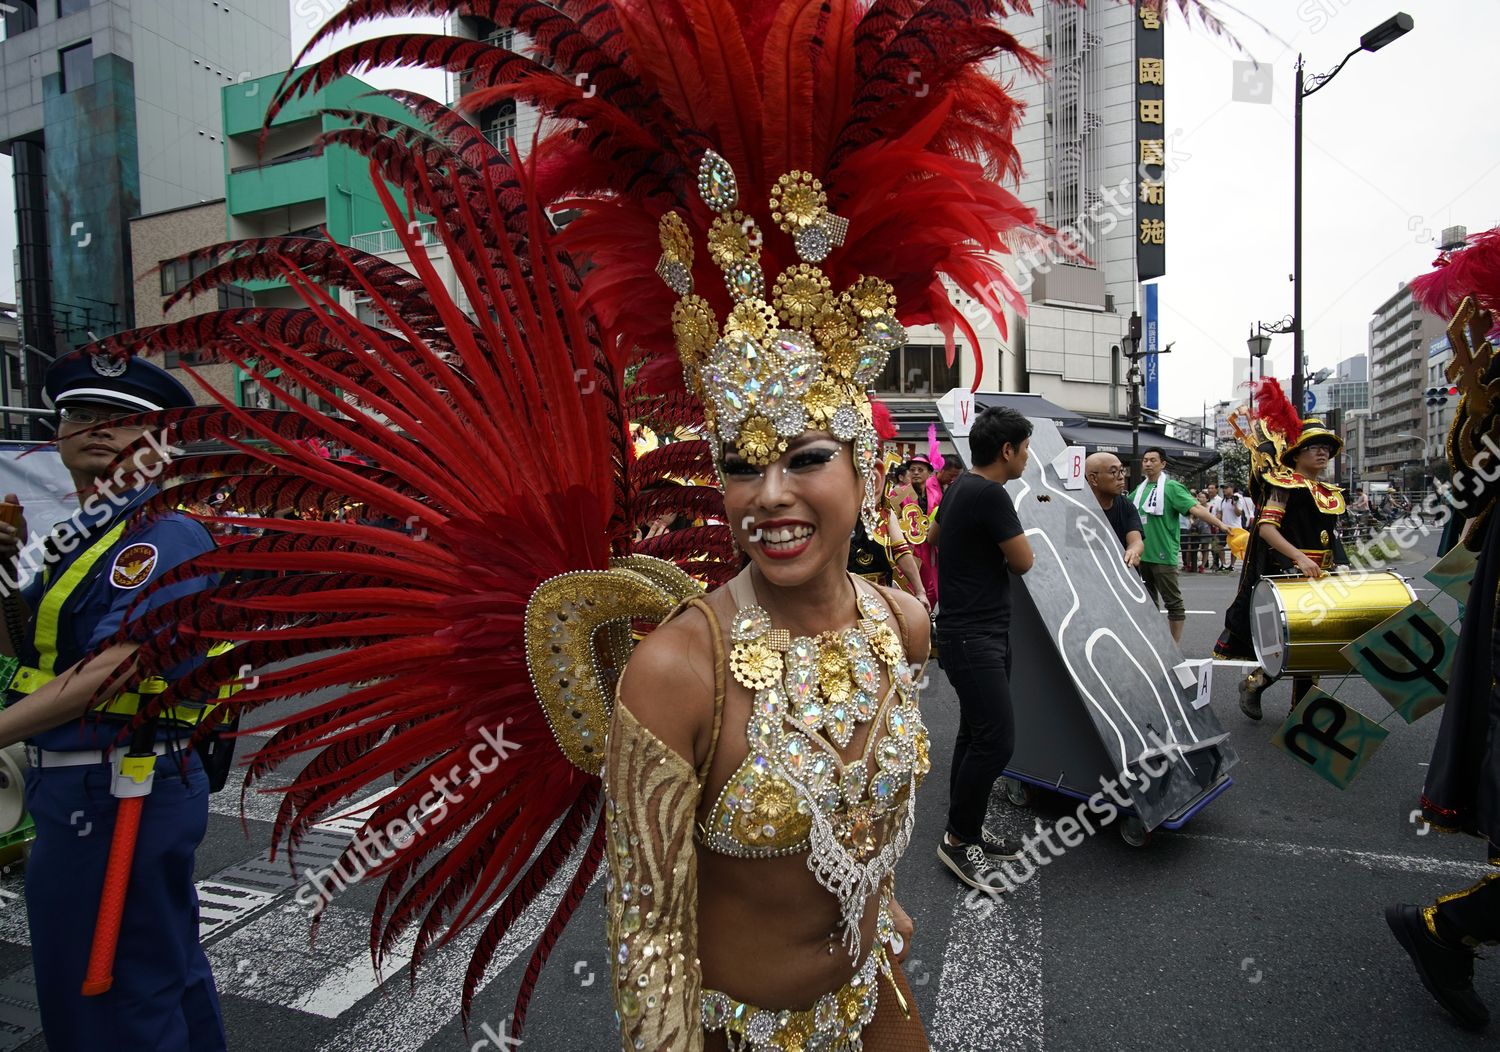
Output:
[[386, 241]]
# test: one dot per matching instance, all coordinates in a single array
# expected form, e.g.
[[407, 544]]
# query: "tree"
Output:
[[1235, 463]]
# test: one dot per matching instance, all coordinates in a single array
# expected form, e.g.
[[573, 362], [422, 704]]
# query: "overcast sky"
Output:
[[1392, 156]]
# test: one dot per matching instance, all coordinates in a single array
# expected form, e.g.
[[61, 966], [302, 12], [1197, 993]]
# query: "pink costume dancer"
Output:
[[932, 496]]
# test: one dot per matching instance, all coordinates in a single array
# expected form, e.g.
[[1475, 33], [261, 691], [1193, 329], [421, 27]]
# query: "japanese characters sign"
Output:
[[1151, 142]]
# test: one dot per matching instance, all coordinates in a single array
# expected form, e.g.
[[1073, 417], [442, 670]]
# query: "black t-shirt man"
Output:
[[1124, 517], [976, 517]]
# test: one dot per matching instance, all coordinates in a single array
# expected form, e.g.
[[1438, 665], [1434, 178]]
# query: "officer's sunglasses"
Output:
[[79, 414]]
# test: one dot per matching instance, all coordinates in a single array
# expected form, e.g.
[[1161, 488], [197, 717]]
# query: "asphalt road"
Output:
[[1256, 926]]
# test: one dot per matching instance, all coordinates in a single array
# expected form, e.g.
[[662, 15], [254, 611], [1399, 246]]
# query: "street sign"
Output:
[[1309, 401], [1152, 348]]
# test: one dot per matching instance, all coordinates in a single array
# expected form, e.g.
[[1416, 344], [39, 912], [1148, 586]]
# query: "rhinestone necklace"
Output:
[[812, 693]]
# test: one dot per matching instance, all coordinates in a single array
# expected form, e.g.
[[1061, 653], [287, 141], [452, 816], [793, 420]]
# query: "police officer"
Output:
[[91, 572]]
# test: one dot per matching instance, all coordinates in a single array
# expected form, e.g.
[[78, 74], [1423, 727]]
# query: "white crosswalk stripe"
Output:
[[990, 991]]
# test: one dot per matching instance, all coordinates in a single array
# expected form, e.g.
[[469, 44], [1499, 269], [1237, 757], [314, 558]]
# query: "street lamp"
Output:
[[1397, 25], [1260, 344]]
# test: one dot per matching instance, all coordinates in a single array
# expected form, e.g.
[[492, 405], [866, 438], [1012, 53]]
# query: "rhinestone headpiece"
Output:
[[797, 359]]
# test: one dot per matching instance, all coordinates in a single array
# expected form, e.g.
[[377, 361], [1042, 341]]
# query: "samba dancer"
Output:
[[806, 210], [1296, 530]]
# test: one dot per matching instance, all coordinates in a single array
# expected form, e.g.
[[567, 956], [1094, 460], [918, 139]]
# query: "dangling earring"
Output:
[[869, 508]]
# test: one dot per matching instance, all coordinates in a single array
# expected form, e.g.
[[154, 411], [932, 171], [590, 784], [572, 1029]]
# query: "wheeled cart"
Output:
[[1101, 692]]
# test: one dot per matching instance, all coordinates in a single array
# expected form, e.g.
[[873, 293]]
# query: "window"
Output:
[[235, 296], [77, 63], [500, 128], [255, 396], [920, 370], [175, 273], [71, 7]]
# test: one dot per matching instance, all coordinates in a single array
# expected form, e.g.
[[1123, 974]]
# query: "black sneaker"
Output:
[[999, 849], [1447, 971], [970, 865]]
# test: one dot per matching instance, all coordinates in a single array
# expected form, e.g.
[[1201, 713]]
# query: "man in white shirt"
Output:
[[1235, 510]]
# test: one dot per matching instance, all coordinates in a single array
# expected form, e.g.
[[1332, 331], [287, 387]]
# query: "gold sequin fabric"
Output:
[[651, 795]]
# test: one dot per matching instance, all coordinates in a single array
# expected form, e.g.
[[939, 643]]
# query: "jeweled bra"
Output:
[[793, 792]]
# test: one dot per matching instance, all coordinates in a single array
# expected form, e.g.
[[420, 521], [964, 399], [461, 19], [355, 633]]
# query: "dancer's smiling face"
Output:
[[794, 516]]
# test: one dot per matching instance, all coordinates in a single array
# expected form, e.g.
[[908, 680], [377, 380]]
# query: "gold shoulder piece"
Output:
[[650, 797], [578, 638], [1479, 391], [1283, 478]]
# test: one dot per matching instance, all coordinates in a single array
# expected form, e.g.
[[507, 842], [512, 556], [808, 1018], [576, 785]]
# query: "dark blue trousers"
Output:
[[163, 996]]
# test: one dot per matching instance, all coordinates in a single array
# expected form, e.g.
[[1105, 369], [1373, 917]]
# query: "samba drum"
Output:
[[1299, 625]]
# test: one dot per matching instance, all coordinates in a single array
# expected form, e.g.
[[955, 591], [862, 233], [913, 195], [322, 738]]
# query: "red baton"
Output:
[[133, 776]]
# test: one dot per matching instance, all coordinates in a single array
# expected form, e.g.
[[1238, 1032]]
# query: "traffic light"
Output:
[[1440, 395]]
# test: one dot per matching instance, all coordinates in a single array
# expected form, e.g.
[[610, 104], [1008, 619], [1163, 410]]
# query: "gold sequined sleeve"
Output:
[[651, 796]]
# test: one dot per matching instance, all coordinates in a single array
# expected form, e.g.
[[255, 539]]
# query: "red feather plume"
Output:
[[1275, 409], [1473, 270]]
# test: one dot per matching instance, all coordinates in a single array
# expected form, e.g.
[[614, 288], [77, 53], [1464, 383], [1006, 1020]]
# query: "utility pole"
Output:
[[1134, 377]]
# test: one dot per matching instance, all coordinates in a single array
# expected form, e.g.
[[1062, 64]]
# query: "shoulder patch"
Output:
[[133, 566]]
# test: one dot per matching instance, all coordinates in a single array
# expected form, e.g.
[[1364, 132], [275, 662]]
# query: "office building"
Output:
[[1401, 333], [1079, 149], [111, 110], [1348, 387]]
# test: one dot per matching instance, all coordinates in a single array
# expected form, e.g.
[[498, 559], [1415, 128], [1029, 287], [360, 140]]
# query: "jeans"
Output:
[[978, 666]]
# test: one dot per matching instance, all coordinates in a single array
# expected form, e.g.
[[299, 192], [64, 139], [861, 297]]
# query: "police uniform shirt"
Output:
[[114, 586]]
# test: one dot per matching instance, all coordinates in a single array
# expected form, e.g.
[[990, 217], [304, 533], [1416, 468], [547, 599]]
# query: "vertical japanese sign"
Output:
[[1152, 338], [1151, 143]]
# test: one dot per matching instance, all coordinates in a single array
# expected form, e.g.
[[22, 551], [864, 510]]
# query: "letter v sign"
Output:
[[957, 409]]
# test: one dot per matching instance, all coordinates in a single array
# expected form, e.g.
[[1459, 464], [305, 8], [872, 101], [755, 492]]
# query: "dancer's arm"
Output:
[[904, 564], [651, 797]]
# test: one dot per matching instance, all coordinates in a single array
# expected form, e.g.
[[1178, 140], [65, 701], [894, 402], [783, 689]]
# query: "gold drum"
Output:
[[1299, 625]]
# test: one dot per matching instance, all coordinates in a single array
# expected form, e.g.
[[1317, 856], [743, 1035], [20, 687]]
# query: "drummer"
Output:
[[1296, 533]]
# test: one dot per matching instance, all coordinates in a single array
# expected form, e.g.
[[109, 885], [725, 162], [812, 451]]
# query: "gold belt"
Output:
[[835, 1023]]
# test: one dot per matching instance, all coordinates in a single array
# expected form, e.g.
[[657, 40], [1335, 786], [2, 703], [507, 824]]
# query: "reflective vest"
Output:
[[24, 679]]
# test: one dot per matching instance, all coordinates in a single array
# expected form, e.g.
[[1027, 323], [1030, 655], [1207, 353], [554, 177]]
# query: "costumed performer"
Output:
[[1296, 530], [1462, 790]]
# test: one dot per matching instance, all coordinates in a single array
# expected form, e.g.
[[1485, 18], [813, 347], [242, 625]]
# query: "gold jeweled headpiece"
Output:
[[801, 359]]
